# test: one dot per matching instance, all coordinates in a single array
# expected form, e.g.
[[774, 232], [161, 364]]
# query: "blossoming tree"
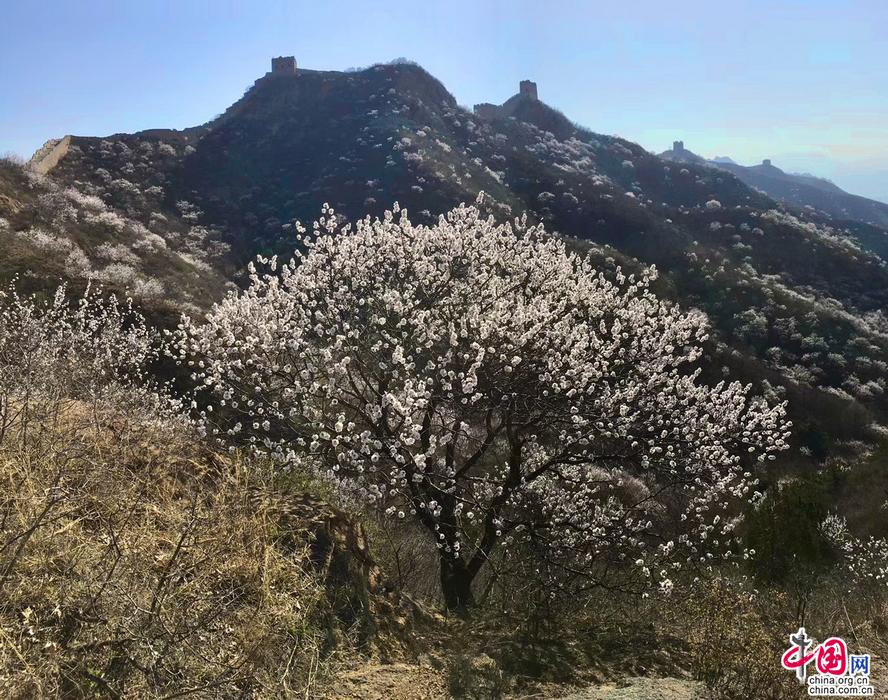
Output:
[[58, 354], [491, 385]]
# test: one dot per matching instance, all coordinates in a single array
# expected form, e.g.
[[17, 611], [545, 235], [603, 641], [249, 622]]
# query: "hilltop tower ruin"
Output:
[[283, 65], [528, 88], [678, 146]]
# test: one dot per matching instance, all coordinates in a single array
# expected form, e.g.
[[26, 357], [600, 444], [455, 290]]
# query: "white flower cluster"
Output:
[[490, 384], [61, 352], [866, 559]]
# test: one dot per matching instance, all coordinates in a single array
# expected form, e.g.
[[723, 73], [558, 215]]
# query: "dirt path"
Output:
[[401, 681], [389, 682], [642, 689]]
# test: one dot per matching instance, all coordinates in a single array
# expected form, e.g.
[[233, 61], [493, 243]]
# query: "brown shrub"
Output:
[[736, 641], [132, 563]]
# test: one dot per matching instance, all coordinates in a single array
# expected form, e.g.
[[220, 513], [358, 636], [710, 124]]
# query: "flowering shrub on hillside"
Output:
[[485, 382], [865, 559], [132, 561], [60, 354]]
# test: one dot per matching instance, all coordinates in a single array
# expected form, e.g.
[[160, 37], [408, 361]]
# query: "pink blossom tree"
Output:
[[488, 383]]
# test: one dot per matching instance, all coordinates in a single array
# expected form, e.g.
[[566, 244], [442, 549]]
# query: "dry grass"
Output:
[[133, 564], [736, 639]]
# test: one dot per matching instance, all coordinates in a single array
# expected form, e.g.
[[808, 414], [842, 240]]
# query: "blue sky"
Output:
[[804, 82]]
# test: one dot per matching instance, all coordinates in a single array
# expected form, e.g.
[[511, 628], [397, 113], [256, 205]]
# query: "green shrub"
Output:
[[784, 532]]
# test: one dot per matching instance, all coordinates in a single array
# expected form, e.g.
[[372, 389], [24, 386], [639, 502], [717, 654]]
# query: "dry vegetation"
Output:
[[133, 561], [137, 562], [134, 564]]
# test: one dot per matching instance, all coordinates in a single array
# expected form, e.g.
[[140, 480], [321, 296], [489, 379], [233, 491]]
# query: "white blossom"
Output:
[[495, 384]]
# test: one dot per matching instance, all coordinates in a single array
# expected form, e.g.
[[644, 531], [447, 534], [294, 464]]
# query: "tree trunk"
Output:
[[456, 584]]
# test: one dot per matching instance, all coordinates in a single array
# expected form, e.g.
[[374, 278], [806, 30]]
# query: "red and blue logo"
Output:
[[837, 671]]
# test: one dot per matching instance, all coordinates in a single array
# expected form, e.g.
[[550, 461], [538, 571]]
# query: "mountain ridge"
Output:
[[794, 189], [795, 297]]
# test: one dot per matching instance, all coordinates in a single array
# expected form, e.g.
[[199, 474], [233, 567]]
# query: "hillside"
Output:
[[436, 455], [796, 297], [52, 233]]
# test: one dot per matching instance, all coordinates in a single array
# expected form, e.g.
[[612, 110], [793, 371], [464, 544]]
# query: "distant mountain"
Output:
[[796, 297], [796, 190]]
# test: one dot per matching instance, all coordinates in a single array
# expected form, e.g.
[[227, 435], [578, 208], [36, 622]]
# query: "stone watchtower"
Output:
[[528, 88], [678, 146], [283, 65], [767, 163]]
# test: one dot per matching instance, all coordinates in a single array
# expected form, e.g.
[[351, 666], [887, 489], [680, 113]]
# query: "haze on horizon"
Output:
[[803, 82]]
